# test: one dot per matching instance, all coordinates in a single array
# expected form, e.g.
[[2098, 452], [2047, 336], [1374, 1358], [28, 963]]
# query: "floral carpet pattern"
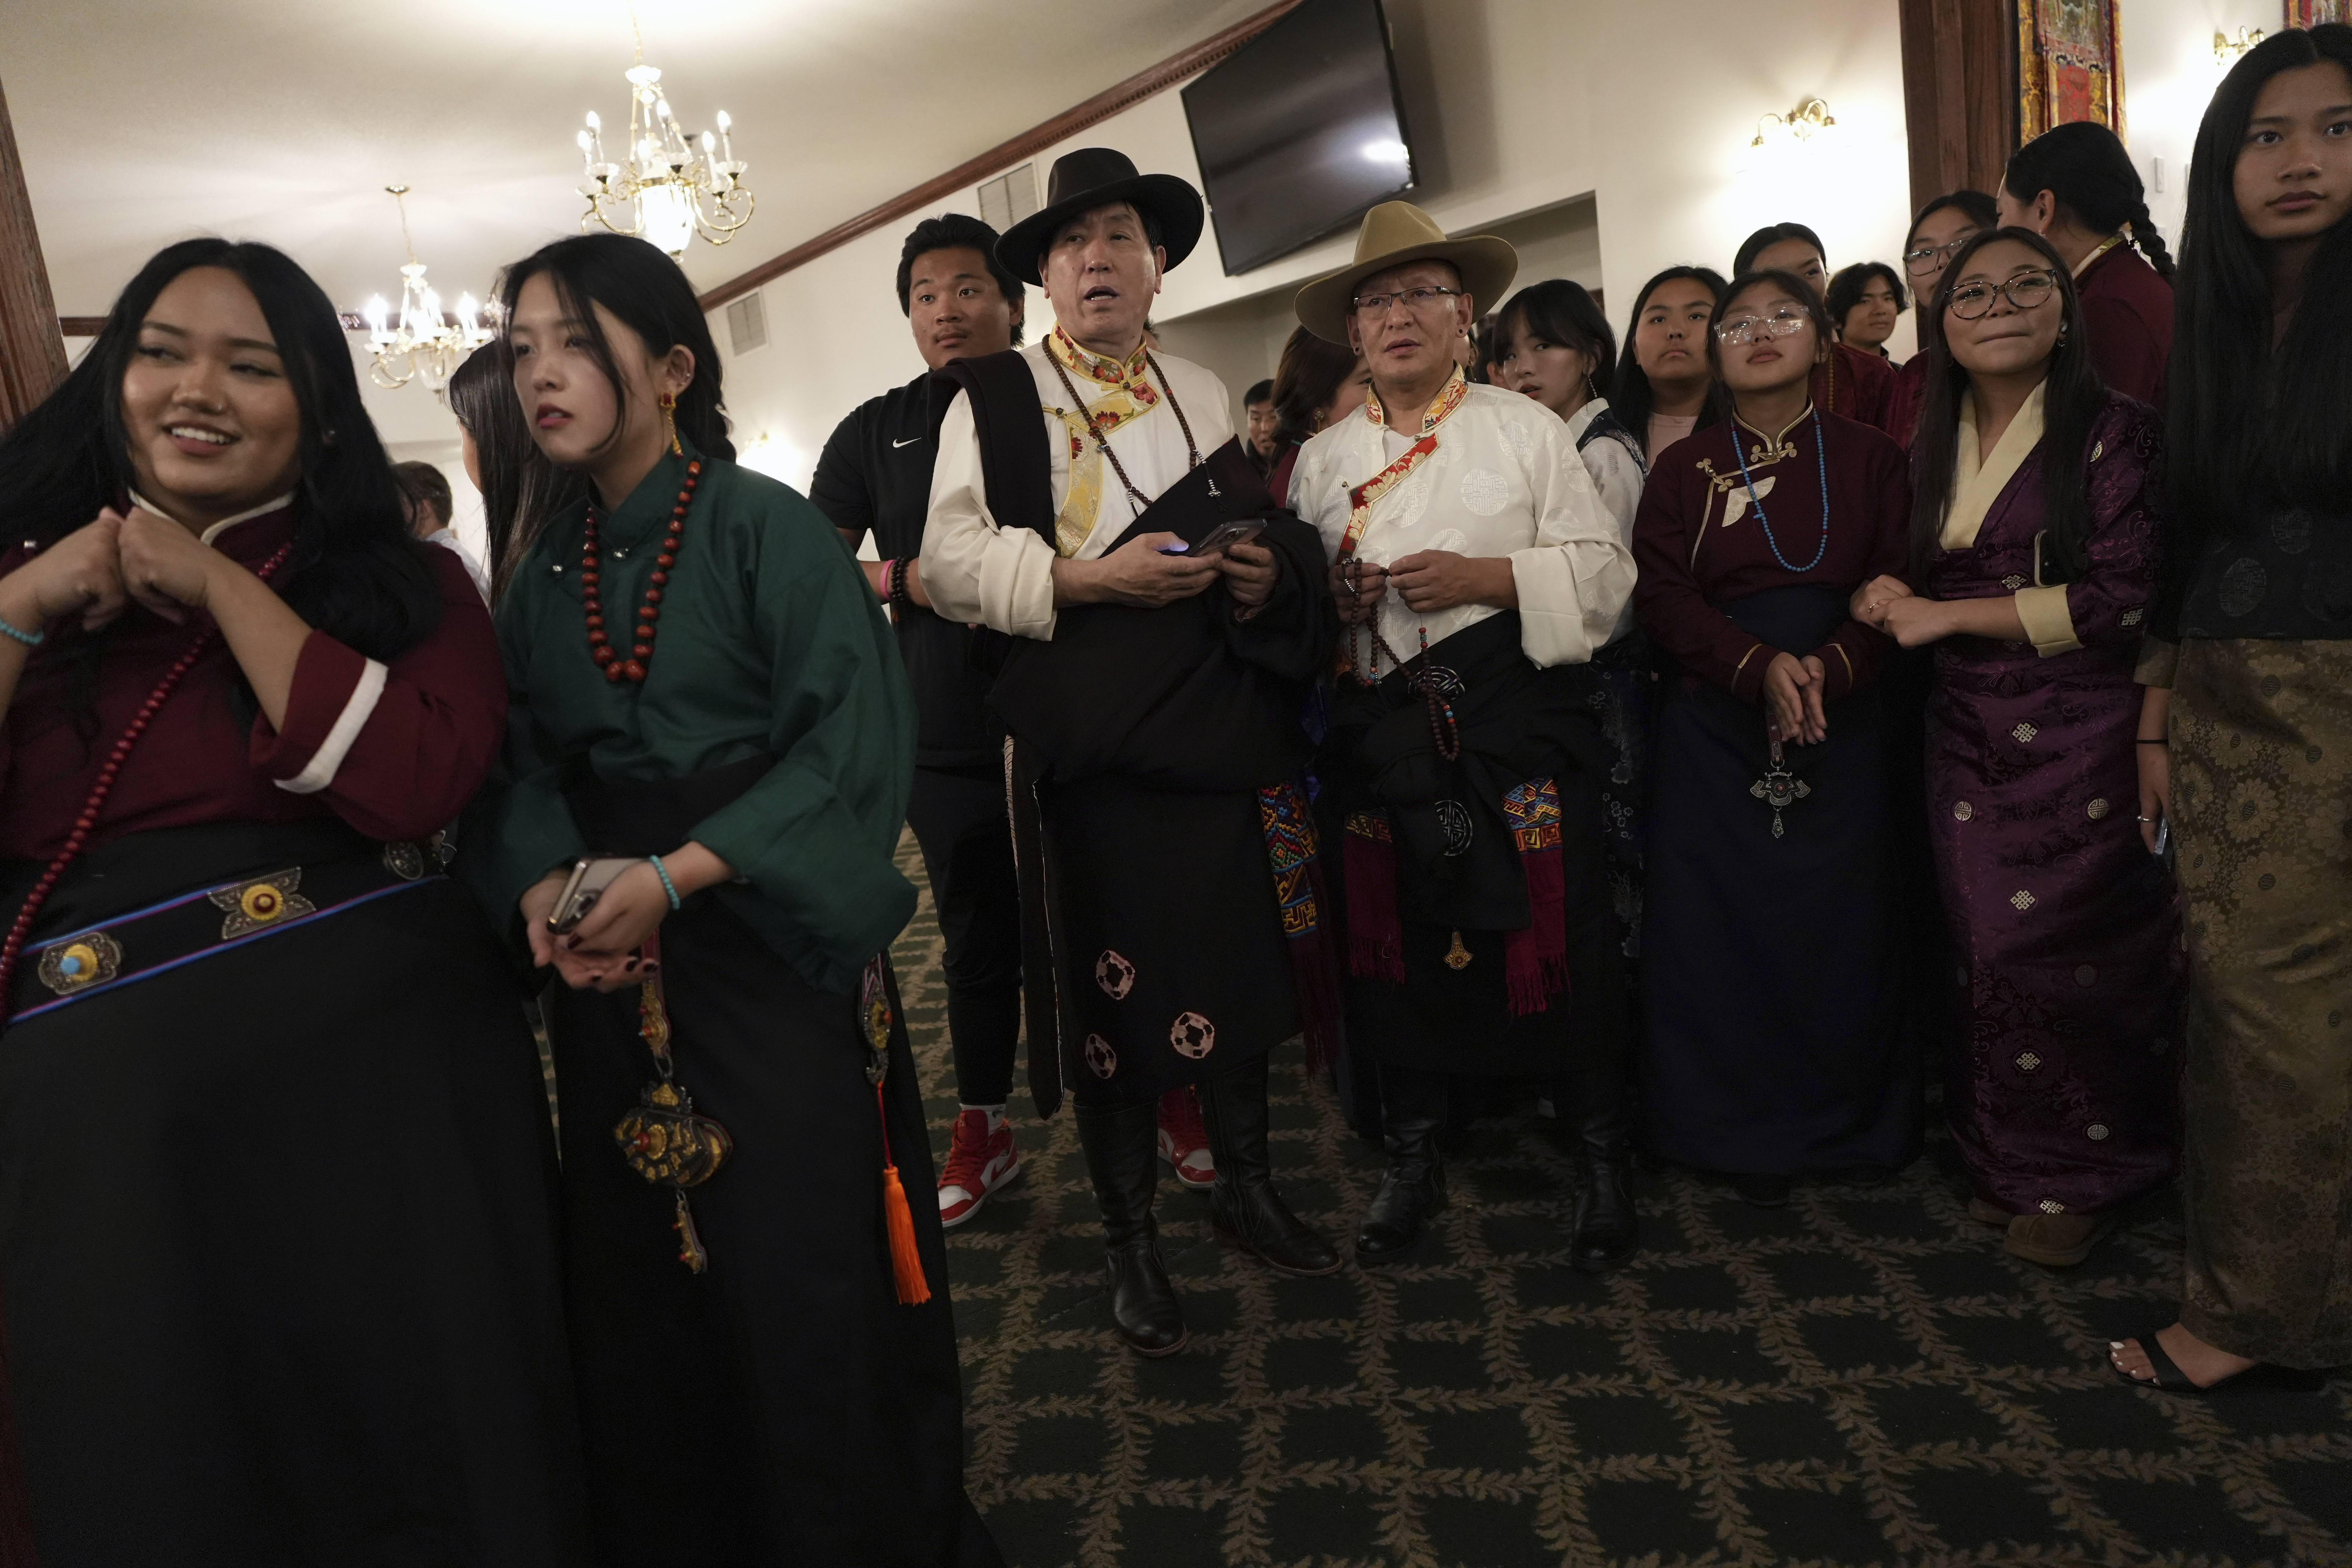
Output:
[[1862, 1377]]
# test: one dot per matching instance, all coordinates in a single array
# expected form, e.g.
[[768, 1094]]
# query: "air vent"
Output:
[[747, 324], [1007, 199]]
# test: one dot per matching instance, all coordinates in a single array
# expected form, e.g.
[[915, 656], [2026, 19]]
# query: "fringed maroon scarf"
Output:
[[1535, 957]]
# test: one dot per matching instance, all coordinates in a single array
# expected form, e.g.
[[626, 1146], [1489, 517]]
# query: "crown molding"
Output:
[[1147, 83]]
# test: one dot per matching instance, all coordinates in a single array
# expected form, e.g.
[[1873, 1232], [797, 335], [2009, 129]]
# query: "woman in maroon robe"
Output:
[[1771, 1016], [2035, 540], [1851, 383], [276, 1246], [2076, 186], [1943, 225]]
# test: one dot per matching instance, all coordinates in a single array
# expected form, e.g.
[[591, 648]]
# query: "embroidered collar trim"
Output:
[[1095, 366], [2103, 247], [1448, 399]]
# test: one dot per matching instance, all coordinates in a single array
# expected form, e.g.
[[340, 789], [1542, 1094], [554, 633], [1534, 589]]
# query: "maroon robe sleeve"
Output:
[[1669, 599], [1857, 383], [2108, 602], [1855, 651], [396, 750]]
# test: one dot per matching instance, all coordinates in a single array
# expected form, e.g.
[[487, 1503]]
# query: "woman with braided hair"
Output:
[[2075, 186]]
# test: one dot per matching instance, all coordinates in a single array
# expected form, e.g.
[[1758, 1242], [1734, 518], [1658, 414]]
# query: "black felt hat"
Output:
[[1092, 177]]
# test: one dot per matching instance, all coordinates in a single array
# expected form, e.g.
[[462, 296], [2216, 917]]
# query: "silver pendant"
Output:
[[1779, 788]]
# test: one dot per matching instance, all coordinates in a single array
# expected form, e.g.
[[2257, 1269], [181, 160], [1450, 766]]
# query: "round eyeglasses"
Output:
[[2026, 292], [1756, 329], [1929, 257]]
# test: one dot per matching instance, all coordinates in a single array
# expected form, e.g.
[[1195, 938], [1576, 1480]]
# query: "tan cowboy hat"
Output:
[[1394, 234]]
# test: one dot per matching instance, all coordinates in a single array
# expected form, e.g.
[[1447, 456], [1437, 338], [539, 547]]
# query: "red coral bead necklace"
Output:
[[641, 649]]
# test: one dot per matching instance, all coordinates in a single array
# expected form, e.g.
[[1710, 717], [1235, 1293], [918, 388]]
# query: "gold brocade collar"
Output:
[[1094, 366], [1774, 444], [1448, 399], [2103, 247]]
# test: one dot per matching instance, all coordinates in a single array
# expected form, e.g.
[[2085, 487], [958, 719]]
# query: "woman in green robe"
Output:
[[763, 1375]]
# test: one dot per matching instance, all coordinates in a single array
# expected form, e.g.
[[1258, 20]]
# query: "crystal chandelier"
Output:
[[670, 188], [425, 342]]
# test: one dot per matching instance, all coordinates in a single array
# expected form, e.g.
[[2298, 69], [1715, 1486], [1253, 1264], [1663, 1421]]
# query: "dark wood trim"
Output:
[[1144, 84], [32, 354], [80, 326], [1959, 93]]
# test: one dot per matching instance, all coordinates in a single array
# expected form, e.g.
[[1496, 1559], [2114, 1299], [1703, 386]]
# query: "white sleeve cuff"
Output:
[[329, 758]]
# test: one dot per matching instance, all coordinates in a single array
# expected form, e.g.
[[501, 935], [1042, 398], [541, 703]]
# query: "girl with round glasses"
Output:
[[2035, 530], [1943, 225], [1770, 1015]]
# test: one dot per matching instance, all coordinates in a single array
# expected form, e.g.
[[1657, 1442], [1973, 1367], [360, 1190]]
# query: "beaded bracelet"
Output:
[[30, 640], [667, 885], [898, 594]]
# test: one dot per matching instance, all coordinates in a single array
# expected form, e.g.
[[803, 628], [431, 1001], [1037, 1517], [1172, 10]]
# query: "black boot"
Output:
[[1121, 1144], [1244, 1207], [1413, 1114], [1606, 1231]]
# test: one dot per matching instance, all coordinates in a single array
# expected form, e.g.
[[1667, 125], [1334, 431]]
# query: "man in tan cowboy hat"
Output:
[[1476, 571], [1080, 503]]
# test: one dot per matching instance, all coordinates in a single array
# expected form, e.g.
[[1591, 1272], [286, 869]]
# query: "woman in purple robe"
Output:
[[2035, 525]]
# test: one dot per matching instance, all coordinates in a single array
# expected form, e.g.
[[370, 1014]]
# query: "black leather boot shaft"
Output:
[[1121, 1144], [1604, 1230], [1244, 1206], [1413, 1114]]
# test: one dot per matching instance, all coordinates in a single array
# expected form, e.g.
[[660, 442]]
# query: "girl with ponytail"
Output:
[[2075, 186]]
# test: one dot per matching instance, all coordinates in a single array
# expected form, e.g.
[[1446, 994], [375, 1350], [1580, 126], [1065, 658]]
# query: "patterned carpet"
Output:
[[1863, 1377]]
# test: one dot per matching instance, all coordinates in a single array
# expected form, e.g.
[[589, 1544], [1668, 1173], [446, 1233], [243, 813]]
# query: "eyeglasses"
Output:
[[1929, 257], [2026, 292], [1754, 329], [1419, 301]]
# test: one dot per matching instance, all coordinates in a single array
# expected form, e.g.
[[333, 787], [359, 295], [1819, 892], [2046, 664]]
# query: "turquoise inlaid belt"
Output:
[[140, 945]]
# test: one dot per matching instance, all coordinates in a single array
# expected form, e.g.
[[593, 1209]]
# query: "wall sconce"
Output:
[[2225, 48], [1810, 116]]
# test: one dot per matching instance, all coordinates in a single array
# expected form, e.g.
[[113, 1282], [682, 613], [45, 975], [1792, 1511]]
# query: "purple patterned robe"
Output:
[[2061, 1089]]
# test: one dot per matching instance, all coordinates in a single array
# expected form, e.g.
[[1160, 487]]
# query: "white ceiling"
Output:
[[141, 122]]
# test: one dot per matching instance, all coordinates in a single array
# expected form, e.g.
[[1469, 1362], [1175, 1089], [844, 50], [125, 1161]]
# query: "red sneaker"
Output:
[[979, 1162], [1184, 1140]]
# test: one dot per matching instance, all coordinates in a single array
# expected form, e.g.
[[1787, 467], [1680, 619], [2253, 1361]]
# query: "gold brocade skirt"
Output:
[[2262, 749]]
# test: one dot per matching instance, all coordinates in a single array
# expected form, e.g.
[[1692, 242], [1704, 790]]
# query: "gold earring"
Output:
[[669, 423]]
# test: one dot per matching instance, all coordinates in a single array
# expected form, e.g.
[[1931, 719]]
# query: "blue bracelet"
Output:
[[667, 885], [30, 640]]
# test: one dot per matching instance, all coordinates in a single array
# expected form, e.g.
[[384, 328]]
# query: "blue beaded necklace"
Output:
[[1821, 462]]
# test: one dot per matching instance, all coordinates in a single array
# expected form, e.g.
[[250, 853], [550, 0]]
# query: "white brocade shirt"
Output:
[[976, 570], [1505, 480]]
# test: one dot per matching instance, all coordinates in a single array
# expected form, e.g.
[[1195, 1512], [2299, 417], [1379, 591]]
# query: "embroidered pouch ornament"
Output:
[[664, 1139]]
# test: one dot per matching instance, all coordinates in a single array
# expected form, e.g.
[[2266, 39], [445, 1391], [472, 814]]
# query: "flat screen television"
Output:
[[1299, 131]]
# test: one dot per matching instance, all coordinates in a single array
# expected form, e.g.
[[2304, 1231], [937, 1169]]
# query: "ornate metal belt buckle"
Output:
[[92, 959], [261, 903]]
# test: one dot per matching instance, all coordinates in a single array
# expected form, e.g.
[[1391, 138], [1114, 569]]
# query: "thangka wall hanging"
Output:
[[2310, 13], [2070, 64]]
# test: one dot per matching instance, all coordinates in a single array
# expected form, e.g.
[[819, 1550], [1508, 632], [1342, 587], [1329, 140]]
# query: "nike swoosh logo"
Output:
[[907, 442]]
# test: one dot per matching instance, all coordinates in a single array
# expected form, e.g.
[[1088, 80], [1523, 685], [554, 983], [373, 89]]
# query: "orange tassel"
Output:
[[905, 1263]]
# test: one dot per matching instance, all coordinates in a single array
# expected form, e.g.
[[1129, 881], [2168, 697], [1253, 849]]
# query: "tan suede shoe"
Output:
[[2056, 1241]]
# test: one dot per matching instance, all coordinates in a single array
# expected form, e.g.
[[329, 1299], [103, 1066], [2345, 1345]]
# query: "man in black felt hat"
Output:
[[1084, 501]]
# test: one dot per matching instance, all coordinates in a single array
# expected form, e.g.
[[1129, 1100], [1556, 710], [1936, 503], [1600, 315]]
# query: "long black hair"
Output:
[[2247, 420], [355, 572], [2084, 168], [2071, 398], [520, 489], [1309, 377], [649, 294], [1631, 398], [1800, 291], [1978, 209], [1562, 313]]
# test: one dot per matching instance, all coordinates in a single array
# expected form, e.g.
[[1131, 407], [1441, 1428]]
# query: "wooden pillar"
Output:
[[32, 354], [1959, 93]]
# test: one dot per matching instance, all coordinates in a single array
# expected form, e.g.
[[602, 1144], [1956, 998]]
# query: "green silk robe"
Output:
[[770, 641]]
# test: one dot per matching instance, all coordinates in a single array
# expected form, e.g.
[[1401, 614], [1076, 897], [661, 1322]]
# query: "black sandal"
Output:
[[2171, 1379]]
